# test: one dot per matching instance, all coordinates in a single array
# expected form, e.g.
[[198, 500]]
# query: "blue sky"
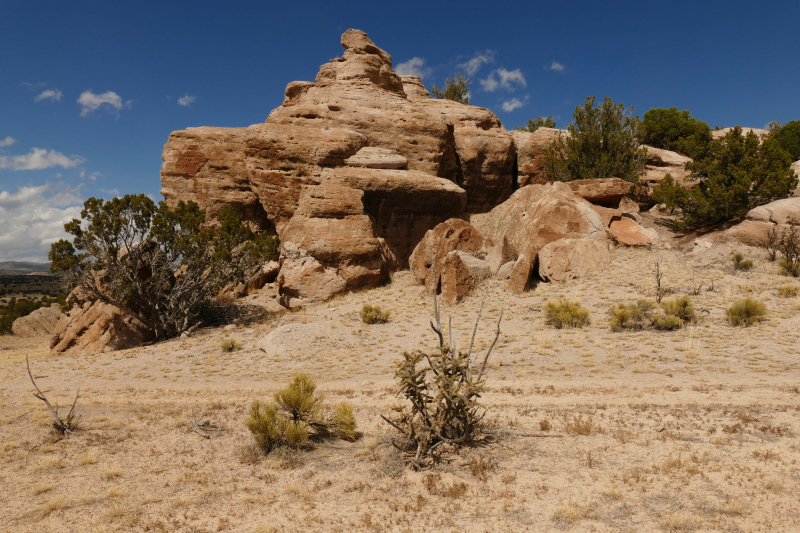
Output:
[[90, 91]]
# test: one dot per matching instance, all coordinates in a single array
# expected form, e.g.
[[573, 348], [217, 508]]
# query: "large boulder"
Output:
[[303, 279], [95, 328], [760, 220], [434, 248], [607, 192], [461, 273], [537, 215], [628, 232], [571, 258], [39, 323]]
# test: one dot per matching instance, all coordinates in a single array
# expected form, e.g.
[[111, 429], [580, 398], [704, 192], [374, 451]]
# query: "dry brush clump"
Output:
[[566, 314], [746, 312], [441, 390], [740, 262], [674, 314], [374, 314], [296, 416], [64, 426]]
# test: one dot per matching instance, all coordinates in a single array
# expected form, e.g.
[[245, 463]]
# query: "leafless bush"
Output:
[[771, 243], [63, 426]]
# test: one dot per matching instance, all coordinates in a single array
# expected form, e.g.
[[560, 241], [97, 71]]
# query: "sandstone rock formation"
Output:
[[662, 162], [758, 221], [716, 134], [530, 149], [40, 323], [628, 232], [571, 258], [796, 168], [606, 192], [537, 215], [97, 327], [461, 273]]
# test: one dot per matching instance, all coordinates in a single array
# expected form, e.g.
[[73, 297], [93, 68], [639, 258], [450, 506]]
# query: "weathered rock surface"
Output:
[[535, 216], [571, 258], [607, 192], [607, 214], [627, 231], [453, 235], [716, 134], [414, 88], [97, 327], [760, 220], [303, 279], [662, 162], [39, 323], [461, 273], [530, 149], [504, 272], [370, 157]]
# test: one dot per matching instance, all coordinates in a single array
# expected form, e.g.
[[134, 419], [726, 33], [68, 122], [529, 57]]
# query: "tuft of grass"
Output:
[[680, 521], [53, 505], [109, 473], [41, 488], [739, 262], [89, 458], [746, 312], [374, 315], [787, 291], [50, 463], [734, 507], [567, 514], [579, 426], [230, 345], [566, 314]]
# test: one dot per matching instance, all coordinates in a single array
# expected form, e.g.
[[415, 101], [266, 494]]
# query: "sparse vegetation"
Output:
[[566, 314], [740, 262], [675, 314], [374, 314], [789, 247], [296, 416], [603, 142], [787, 291], [455, 88], [535, 124], [230, 345], [746, 312]]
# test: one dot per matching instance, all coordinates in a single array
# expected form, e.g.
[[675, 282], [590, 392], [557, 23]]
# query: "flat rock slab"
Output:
[[627, 231]]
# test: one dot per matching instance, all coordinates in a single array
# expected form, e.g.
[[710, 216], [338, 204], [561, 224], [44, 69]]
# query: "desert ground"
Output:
[[591, 430]]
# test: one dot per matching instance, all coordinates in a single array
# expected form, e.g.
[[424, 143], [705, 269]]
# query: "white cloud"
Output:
[[32, 86], [185, 100], [90, 101], [555, 65], [33, 218], [508, 77], [8, 141], [490, 84], [414, 67], [39, 159], [49, 94], [112, 192], [478, 60], [515, 103]]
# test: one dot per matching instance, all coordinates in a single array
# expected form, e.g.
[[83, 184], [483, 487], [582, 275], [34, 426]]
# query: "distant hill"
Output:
[[24, 267]]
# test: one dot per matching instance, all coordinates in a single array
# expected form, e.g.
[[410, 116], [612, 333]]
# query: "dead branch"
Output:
[[65, 427], [201, 427], [488, 353]]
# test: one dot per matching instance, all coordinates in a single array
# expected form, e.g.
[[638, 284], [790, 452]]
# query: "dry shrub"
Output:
[[374, 315], [680, 521], [296, 416], [746, 312], [739, 262], [566, 314], [230, 345], [580, 426], [790, 250], [787, 291], [480, 466], [545, 425], [676, 313], [567, 514]]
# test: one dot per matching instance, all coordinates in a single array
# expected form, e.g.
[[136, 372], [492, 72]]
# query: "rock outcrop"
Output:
[[572, 258], [607, 192], [431, 252], [530, 149], [628, 232], [662, 162], [39, 323], [538, 215], [760, 220], [97, 327], [796, 168]]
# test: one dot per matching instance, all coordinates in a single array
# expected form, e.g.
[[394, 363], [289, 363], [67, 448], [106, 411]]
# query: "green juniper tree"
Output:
[[455, 88]]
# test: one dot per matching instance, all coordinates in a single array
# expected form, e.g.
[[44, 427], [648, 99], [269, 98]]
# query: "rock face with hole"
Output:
[[40, 323], [96, 328]]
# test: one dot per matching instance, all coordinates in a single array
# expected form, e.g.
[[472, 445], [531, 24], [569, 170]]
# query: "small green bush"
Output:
[[667, 322], [374, 315], [230, 345], [296, 416], [681, 307], [788, 291], [676, 312], [740, 262], [566, 314], [746, 312], [631, 316]]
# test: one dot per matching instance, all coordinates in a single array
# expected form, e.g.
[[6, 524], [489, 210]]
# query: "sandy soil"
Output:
[[692, 430]]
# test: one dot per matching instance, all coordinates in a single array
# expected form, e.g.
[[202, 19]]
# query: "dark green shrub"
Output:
[[739, 262], [675, 130], [603, 142], [295, 417], [566, 314], [746, 312], [374, 315], [537, 123], [455, 88], [788, 137], [738, 173], [16, 309], [230, 345]]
